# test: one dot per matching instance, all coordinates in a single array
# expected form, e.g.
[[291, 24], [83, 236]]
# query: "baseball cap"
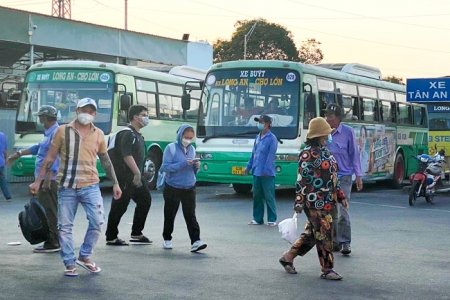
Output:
[[264, 118], [87, 101], [333, 108]]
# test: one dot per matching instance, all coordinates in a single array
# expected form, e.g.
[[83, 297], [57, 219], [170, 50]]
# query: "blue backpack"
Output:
[[33, 222], [161, 181]]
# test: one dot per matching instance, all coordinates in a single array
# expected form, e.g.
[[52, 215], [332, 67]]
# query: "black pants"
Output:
[[141, 196], [49, 200], [172, 198]]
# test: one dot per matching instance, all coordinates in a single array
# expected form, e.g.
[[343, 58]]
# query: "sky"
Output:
[[403, 38]]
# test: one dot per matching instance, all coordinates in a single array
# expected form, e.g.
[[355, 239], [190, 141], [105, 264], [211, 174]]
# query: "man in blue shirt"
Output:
[[48, 194], [4, 186], [262, 167], [346, 152]]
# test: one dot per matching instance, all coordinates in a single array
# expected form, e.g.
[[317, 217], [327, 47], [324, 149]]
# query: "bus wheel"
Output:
[[399, 171], [242, 188], [151, 169]]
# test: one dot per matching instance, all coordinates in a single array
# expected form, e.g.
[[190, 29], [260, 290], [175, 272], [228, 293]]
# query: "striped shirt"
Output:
[[78, 155]]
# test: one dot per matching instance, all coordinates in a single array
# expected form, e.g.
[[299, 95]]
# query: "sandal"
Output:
[[331, 275], [91, 267], [116, 242], [71, 272], [288, 266], [253, 222]]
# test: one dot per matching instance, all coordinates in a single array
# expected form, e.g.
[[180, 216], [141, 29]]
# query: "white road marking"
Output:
[[394, 206]]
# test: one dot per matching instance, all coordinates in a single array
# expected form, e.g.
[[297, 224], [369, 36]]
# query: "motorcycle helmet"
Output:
[[434, 169], [47, 110]]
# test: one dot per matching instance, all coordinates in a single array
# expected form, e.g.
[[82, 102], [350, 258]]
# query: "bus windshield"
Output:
[[235, 97], [439, 117], [64, 96]]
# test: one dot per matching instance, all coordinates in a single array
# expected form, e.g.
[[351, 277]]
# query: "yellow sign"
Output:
[[237, 170]]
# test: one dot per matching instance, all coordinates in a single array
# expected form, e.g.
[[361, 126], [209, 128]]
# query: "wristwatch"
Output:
[[19, 153]]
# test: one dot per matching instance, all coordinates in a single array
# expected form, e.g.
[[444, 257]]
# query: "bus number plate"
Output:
[[237, 170]]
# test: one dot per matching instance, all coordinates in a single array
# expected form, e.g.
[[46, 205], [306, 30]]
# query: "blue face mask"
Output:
[[260, 126], [329, 139]]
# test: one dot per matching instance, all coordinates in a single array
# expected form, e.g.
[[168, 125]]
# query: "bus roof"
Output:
[[311, 69], [115, 68]]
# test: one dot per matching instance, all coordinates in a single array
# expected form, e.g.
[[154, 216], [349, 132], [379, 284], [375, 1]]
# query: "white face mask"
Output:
[[85, 119], [144, 121], [186, 142]]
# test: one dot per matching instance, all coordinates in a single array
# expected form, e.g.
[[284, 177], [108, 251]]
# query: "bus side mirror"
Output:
[[125, 102], [186, 101]]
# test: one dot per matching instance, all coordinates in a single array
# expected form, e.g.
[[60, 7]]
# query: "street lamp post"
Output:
[[247, 37], [31, 29]]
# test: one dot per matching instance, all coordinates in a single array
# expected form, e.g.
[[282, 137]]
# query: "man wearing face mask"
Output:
[[128, 163], [48, 194], [262, 166], [78, 145]]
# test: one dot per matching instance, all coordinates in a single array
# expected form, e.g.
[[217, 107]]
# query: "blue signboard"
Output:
[[428, 90]]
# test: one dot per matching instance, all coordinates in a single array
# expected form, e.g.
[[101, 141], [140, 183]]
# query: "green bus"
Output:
[[115, 88], [388, 129]]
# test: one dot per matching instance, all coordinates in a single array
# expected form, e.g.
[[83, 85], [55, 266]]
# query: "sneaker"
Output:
[[167, 244], [271, 224], [41, 249], [140, 239], [8, 199], [346, 250], [197, 246]]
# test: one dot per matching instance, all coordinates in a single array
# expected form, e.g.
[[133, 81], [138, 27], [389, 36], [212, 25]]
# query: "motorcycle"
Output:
[[426, 178]]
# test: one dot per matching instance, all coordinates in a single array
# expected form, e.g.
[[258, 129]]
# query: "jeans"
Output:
[[264, 192], [92, 202], [49, 199], [141, 196], [172, 198], [4, 185], [343, 231]]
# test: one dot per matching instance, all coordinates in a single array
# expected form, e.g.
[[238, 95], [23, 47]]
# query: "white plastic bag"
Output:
[[288, 229]]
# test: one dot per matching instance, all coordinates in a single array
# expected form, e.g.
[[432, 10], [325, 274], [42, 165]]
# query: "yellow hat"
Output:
[[318, 127]]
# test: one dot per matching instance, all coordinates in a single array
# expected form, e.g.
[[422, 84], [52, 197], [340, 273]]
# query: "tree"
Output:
[[310, 52], [393, 79], [268, 41]]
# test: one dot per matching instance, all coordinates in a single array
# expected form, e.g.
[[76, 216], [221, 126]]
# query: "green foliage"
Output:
[[394, 79], [268, 41]]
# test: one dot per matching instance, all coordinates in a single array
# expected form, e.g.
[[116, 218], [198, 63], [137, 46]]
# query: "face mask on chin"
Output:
[[85, 119], [186, 142]]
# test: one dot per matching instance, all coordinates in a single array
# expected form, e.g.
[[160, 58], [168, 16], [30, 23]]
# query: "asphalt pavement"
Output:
[[398, 252]]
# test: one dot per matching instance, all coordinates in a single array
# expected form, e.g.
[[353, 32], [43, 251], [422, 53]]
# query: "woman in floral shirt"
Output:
[[317, 191]]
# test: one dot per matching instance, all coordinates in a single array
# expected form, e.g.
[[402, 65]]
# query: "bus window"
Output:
[[419, 115], [368, 110], [324, 100], [349, 107], [404, 114]]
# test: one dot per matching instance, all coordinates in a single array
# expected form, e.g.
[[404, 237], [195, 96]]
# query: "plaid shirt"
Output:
[[78, 156]]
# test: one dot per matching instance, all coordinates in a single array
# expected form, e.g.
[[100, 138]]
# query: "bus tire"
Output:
[[242, 188], [151, 166], [399, 171]]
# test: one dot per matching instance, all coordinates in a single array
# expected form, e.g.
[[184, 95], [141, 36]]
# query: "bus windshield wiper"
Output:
[[228, 135]]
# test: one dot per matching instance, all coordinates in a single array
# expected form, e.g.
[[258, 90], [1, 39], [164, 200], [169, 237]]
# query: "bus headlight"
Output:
[[287, 157], [205, 167], [278, 169], [204, 155]]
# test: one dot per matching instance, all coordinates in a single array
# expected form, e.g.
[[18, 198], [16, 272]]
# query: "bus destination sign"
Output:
[[70, 76], [428, 90]]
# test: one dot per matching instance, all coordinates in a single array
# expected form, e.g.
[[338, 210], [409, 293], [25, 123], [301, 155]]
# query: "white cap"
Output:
[[86, 101]]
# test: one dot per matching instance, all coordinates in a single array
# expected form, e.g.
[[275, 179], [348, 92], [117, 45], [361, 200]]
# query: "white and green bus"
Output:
[[389, 130], [115, 88]]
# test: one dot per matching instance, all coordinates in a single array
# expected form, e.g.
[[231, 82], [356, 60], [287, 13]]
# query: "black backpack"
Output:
[[33, 222]]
